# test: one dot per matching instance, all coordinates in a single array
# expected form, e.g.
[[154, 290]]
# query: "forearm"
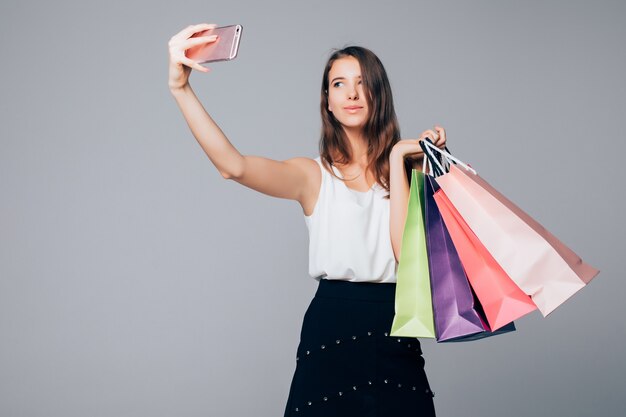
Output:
[[399, 201], [226, 158]]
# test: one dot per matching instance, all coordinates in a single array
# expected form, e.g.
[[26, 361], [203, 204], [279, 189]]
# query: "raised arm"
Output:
[[291, 179], [399, 183]]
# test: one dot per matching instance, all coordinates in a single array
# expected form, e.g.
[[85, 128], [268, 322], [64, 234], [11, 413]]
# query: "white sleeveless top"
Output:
[[349, 235]]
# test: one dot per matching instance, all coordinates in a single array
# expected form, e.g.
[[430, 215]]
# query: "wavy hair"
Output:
[[381, 130]]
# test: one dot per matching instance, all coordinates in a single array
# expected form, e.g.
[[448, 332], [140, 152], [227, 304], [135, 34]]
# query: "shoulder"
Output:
[[308, 166], [313, 174]]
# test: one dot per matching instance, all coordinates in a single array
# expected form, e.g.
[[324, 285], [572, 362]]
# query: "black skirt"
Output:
[[347, 364]]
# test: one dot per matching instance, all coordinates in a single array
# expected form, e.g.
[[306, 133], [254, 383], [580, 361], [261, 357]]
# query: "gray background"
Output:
[[136, 281]]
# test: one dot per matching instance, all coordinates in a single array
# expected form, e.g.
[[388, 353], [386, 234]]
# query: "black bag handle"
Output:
[[431, 158], [431, 155]]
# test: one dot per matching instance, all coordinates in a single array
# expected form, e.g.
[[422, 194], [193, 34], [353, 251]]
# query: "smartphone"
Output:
[[224, 48]]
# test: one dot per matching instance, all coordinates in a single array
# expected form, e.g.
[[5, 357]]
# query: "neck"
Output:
[[358, 145]]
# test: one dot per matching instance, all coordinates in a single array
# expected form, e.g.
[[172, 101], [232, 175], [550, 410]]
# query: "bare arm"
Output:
[[283, 179], [216, 146], [399, 186], [399, 200]]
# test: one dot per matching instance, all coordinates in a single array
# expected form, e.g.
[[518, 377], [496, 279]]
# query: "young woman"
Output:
[[354, 198]]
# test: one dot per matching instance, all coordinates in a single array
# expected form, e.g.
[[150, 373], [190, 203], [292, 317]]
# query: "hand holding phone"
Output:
[[224, 48]]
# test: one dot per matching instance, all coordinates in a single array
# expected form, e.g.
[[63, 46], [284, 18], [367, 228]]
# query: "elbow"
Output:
[[227, 175], [231, 175], [234, 173]]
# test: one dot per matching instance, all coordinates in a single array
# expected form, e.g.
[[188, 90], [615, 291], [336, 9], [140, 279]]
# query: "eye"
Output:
[[341, 82]]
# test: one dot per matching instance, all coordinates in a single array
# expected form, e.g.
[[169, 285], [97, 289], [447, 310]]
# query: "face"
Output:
[[345, 90]]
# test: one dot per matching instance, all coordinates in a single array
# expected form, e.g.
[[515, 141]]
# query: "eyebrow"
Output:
[[341, 78]]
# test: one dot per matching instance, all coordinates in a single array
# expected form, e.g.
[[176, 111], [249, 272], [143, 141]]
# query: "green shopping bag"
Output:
[[413, 303]]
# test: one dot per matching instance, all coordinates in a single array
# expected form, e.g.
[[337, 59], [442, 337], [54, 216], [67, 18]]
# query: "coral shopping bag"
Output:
[[541, 265], [457, 312], [500, 298], [413, 305]]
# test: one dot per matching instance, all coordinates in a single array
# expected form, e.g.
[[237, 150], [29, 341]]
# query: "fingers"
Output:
[[193, 64], [197, 41], [431, 134], [412, 148], [441, 143], [192, 29], [437, 136], [184, 40]]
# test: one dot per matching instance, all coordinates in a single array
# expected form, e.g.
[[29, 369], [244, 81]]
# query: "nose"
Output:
[[353, 94]]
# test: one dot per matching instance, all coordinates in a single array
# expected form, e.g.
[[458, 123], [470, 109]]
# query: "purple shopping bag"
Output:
[[457, 312]]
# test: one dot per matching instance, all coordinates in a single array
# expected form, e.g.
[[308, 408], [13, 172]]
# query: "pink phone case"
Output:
[[225, 48]]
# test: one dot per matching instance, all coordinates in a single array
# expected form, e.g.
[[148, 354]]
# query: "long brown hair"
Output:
[[381, 130]]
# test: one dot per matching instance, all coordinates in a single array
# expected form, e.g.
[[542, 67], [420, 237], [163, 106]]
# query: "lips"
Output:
[[353, 107]]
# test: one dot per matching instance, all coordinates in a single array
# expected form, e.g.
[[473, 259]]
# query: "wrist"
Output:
[[179, 90]]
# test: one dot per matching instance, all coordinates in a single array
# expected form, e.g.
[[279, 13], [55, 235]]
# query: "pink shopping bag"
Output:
[[541, 265], [501, 300], [583, 270]]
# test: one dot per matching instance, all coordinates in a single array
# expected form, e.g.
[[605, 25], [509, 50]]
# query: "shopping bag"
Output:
[[457, 312], [501, 300], [583, 270], [540, 264], [507, 328], [413, 305], [453, 303]]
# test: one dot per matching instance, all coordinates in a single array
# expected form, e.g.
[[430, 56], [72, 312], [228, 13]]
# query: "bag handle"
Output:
[[428, 147], [434, 163], [427, 168]]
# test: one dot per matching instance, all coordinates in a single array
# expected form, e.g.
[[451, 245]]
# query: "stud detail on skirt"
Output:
[[354, 338], [337, 342], [369, 382]]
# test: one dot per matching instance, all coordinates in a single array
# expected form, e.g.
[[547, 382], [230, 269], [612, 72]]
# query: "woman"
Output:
[[354, 198]]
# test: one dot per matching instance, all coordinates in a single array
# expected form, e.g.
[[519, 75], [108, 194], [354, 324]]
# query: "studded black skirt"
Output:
[[348, 365]]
